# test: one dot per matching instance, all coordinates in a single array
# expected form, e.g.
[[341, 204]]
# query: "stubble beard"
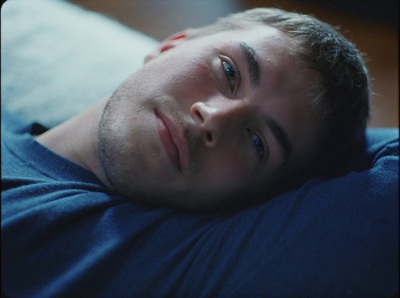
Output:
[[111, 153], [115, 152]]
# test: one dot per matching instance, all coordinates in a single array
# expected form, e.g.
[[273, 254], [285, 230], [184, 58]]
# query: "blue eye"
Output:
[[258, 145], [231, 73]]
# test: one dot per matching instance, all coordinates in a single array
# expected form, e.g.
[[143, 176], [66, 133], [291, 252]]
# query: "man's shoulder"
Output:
[[37, 195], [30, 170]]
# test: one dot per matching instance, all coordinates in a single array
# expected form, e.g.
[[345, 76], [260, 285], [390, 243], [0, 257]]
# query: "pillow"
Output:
[[57, 59], [336, 237]]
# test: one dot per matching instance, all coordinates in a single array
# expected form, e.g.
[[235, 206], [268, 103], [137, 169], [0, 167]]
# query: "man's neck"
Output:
[[76, 139]]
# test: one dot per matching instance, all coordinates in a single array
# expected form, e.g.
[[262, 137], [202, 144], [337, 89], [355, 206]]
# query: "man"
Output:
[[240, 107], [210, 116]]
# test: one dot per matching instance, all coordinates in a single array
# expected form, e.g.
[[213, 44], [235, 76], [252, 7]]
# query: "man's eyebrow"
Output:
[[281, 137], [252, 63]]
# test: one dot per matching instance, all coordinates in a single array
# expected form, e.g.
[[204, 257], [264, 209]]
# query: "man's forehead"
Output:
[[256, 32], [259, 32]]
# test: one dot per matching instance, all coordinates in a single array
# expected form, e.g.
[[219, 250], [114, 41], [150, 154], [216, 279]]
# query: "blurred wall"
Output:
[[372, 25]]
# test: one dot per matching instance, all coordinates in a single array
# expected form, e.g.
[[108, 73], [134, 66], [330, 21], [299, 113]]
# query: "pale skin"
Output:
[[199, 123]]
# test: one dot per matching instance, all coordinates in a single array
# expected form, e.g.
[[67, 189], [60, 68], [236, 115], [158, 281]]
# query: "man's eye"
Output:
[[232, 75], [258, 145]]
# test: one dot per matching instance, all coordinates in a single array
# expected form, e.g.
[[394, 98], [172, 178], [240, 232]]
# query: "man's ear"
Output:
[[169, 43]]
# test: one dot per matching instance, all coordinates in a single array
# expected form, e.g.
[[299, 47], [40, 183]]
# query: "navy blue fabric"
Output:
[[65, 235]]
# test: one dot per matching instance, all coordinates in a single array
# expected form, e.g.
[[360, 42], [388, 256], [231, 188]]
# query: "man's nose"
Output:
[[214, 121]]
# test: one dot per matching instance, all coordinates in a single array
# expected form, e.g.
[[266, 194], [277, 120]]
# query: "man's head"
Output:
[[223, 114], [341, 96]]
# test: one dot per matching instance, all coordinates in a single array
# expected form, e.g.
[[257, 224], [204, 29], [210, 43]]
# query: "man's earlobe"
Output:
[[167, 44]]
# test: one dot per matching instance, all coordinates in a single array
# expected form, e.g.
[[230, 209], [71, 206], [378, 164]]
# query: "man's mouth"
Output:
[[173, 141]]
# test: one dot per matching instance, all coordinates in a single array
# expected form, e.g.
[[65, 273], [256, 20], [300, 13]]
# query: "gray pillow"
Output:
[[57, 58]]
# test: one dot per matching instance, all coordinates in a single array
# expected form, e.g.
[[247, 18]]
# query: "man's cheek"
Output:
[[196, 83], [225, 175]]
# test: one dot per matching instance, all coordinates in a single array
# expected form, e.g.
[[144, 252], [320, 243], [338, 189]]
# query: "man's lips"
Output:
[[173, 140]]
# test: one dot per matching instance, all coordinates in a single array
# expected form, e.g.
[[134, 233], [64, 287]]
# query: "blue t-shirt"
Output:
[[64, 234]]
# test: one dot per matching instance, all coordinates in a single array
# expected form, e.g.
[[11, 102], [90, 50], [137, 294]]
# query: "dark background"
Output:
[[372, 25]]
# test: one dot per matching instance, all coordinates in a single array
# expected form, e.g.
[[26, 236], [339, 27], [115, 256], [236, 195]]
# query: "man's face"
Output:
[[209, 119]]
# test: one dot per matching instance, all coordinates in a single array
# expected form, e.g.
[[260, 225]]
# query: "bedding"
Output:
[[329, 238], [57, 59]]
